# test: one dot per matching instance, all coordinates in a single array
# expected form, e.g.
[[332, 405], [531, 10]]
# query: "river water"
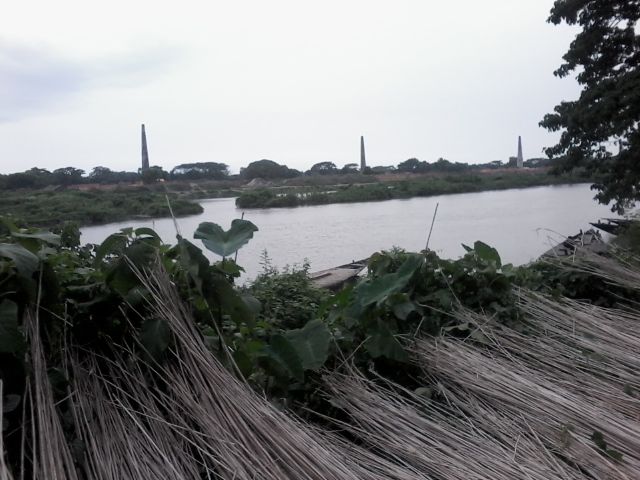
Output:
[[520, 223]]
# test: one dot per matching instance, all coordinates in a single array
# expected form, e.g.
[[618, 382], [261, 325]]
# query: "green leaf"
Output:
[[25, 261], [192, 260], [224, 243], [121, 277], [403, 309], [487, 253], [229, 267], [11, 338], [283, 354], [43, 235], [253, 304], [220, 292], [114, 243], [243, 362], [598, 439], [148, 232], [155, 336], [380, 288], [311, 343], [382, 343]]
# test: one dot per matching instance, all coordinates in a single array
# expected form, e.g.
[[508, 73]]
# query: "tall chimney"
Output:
[[145, 153], [363, 161], [520, 163]]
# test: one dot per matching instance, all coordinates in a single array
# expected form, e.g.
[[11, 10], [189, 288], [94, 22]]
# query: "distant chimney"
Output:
[[363, 161], [520, 161], [145, 153]]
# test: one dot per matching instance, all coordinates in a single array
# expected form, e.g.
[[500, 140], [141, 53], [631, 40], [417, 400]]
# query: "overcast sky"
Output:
[[293, 81]]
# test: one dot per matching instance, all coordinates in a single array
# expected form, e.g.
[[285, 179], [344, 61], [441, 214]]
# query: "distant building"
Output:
[[520, 160], [363, 161], [145, 153]]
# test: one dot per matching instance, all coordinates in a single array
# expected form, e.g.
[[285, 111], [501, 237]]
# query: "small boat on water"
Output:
[[334, 278], [612, 225], [590, 240]]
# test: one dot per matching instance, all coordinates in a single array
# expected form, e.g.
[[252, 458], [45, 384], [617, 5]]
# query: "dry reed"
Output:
[[564, 381], [242, 434], [445, 443], [50, 457], [5, 474]]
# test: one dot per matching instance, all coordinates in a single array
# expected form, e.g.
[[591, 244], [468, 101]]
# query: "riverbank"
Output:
[[423, 186], [93, 207]]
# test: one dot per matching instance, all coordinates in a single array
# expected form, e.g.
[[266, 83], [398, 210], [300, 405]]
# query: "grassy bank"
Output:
[[50, 208], [387, 190]]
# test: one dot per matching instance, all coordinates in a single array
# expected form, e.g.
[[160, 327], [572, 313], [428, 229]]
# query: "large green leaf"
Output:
[[11, 338], [220, 292], [311, 343], [114, 243], [191, 259], [43, 235], [121, 277], [224, 243], [26, 262], [285, 357], [146, 231], [487, 253], [382, 343], [380, 288]]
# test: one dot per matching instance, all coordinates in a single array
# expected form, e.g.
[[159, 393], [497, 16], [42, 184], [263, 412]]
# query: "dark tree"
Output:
[[413, 165], [350, 168], [154, 174], [323, 168], [267, 169], [20, 180], [101, 175], [201, 170], [67, 176], [600, 129]]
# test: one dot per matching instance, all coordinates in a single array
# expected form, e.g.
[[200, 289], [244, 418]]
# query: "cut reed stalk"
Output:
[[51, 457]]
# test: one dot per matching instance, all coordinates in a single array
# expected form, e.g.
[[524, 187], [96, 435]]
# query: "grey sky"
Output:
[[294, 81]]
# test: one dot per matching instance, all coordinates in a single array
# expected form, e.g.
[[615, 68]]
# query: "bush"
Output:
[[288, 298]]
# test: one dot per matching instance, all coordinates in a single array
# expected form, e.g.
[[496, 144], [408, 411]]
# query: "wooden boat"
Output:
[[612, 225], [334, 278], [590, 240]]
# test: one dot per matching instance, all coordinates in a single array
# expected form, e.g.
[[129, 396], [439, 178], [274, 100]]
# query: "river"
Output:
[[520, 223]]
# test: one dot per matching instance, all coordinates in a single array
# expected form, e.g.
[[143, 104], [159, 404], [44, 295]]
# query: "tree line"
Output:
[[36, 178]]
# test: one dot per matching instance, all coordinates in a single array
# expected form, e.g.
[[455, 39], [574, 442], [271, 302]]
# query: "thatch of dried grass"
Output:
[[446, 443], [244, 435], [566, 380]]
